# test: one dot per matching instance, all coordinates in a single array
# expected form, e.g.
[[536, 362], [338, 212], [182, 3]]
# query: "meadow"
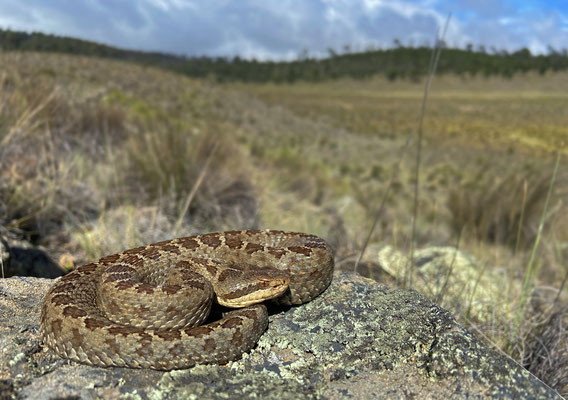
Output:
[[97, 156]]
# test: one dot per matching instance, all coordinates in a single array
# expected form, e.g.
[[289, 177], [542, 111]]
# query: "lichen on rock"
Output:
[[360, 339]]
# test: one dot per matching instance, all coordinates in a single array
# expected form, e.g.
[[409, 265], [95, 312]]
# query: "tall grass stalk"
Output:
[[521, 218], [408, 275], [529, 274], [440, 295], [396, 169], [194, 188], [26, 118], [561, 288], [474, 289]]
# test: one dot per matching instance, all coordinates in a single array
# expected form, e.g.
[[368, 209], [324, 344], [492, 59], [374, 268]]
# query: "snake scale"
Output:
[[142, 308]]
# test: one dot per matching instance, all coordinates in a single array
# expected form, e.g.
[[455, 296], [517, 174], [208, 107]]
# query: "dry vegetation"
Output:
[[97, 156]]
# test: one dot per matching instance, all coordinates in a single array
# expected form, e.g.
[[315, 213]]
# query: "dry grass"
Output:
[[486, 168], [547, 356], [97, 156], [504, 206], [100, 135]]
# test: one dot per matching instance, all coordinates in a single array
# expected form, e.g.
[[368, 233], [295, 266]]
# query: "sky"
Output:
[[284, 29]]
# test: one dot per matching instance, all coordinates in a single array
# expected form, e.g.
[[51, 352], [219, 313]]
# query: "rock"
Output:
[[359, 339], [449, 276], [19, 257]]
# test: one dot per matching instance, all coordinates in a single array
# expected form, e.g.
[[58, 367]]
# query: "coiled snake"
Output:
[[142, 308]]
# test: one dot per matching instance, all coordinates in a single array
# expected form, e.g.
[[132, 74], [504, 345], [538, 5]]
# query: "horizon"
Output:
[[306, 55], [189, 28]]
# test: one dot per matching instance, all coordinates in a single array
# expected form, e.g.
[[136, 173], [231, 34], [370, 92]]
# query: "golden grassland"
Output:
[[526, 112], [97, 156]]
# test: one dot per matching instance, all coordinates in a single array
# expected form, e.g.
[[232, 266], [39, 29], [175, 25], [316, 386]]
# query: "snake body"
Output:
[[142, 308]]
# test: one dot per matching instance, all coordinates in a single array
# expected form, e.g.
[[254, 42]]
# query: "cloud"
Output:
[[281, 29]]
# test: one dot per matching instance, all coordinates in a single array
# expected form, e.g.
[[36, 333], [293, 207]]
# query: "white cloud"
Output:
[[283, 28]]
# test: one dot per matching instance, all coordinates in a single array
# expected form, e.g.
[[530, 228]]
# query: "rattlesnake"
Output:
[[141, 308]]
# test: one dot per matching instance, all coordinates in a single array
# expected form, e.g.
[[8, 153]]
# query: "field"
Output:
[[526, 112], [98, 156]]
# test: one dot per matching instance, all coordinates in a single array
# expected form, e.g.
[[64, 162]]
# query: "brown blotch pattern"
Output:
[[113, 307], [196, 284], [152, 252], [233, 243], [183, 264], [252, 248], [229, 274], [76, 338], [278, 253], [237, 339], [61, 299], [170, 289], [87, 269], [124, 330], [63, 288], [248, 313], [189, 243], [145, 339], [56, 326], [135, 250], [145, 351], [211, 240], [134, 260], [74, 312], [209, 345], [198, 331], [93, 323], [73, 276], [169, 335], [209, 266], [75, 297], [177, 350], [109, 259], [170, 248], [111, 342], [115, 277], [145, 288], [232, 323], [125, 284], [120, 268], [301, 250], [211, 269]]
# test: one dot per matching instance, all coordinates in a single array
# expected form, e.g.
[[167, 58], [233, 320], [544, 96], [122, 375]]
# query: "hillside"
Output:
[[99, 155], [399, 62]]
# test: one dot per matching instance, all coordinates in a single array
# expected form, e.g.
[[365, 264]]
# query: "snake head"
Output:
[[251, 286]]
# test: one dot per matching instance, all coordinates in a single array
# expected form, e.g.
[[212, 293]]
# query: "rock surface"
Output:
[[18, 257], [360, 339], [449, 276]]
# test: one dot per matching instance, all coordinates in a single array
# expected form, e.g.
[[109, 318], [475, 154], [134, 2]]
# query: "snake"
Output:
[[149, 307]]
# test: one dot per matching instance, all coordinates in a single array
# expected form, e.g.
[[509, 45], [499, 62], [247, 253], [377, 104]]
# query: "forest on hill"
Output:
[[398, 62]]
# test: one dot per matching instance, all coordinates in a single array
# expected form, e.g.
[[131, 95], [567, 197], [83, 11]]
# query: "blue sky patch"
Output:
[[283, 29]]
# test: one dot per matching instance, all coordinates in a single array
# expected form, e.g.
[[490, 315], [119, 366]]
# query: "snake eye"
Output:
[[264, 282]]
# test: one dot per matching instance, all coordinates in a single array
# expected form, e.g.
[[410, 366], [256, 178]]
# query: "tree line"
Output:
[[398, 62]]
